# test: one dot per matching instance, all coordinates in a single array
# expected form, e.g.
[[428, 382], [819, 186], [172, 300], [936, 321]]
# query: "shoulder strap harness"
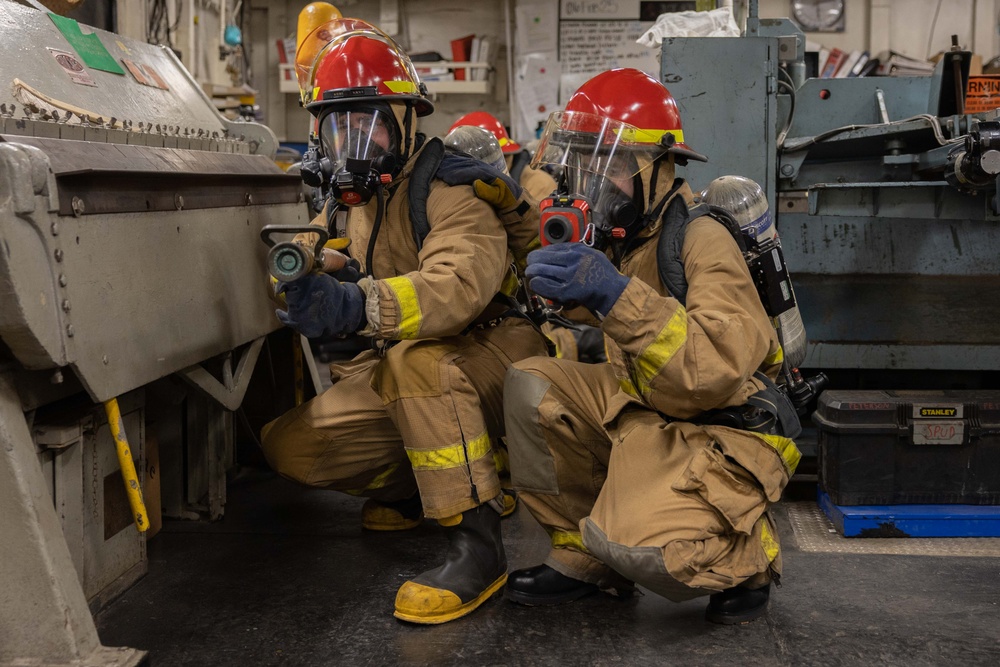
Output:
[[769, 410]]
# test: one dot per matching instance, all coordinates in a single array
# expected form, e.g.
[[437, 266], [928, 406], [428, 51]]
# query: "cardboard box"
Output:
[[975, 66]]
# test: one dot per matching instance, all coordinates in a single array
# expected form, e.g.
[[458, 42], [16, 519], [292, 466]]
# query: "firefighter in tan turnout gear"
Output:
[[410, 424], [656, 468], [536, 181]]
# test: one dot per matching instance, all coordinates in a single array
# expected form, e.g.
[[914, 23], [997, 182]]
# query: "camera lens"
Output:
[[557, 229]]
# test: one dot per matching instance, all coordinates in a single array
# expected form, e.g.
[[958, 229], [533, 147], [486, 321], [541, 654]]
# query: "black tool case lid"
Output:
[[874, 411]]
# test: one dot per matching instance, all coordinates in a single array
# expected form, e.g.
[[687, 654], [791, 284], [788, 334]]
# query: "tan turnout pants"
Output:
[[423, 416], [664, 504]]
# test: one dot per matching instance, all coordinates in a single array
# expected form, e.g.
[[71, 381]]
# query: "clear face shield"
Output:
[[359, 134], [361, 144], [598, 158]]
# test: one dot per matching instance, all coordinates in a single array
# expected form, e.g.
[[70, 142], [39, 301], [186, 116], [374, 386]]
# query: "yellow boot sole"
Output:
[[381, 518], [431, 606]]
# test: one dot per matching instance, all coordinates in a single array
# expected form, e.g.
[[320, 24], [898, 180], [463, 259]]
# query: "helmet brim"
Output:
[[421, 105], [683, 152]]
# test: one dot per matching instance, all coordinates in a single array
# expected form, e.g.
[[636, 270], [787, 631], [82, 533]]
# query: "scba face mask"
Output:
[[600, 159], [361, 144]]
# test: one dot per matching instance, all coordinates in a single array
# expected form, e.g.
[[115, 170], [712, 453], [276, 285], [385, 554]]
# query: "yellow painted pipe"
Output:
[[127, 466]]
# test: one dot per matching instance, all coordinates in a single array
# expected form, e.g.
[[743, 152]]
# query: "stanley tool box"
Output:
[[900, 447]]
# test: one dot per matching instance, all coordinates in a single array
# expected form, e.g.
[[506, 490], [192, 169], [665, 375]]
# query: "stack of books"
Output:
[[475, 49], [838, 64], [897, 64]]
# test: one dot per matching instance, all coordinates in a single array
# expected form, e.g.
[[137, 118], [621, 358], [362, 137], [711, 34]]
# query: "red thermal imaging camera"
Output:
[[564, 220]]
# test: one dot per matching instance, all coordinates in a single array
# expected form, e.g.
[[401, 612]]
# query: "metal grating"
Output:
[[814, 532]]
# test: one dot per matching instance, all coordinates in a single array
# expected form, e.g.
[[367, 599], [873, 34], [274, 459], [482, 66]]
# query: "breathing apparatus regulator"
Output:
[[360, 146]]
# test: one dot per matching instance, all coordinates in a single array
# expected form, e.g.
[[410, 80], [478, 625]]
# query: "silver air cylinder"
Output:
[[479, 143], [746, 202]]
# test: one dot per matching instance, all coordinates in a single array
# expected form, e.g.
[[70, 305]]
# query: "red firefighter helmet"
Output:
[[363, 65], [637, 99], [491, 124]]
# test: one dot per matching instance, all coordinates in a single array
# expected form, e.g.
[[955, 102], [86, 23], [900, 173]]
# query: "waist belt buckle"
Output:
[[758, 420]]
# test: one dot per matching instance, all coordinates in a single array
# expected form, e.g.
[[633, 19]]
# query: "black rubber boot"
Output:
[[737, 605], [475, 568], [542, 586]]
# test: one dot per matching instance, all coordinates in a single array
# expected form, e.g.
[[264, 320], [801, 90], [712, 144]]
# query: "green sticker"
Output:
[[89, 47]]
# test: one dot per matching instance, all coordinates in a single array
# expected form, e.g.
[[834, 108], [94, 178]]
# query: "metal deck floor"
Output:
[[289, 578]]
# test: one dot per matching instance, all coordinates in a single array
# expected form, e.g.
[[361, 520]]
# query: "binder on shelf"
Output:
[[461, 51], [834, 61], [871, 67], [893, 63], [859, 66], [483, 55], [848, 63], [824, 55]]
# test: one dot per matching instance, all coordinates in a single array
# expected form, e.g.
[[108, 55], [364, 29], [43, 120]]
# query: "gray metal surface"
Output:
[[128, 298], [859, 243], [25, 35], [814, 532], [95, 178], [729, 117], [854, 102], [43, 613], [230, 391], [83, 476], [893, 267], [129, 252]]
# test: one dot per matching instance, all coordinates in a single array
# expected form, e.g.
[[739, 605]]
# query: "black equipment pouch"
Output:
[[769, 412]]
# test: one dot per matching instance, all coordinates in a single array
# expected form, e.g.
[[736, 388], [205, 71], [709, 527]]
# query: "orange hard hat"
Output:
[[490, 123]]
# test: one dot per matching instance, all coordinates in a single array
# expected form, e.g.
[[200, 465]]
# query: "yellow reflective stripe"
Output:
[[767, 541], [401, 86], [510, 283], [789, 453], [452, 456], [410, 316], [382, 478], [337, 244], [659, 353], [564, 539], [315, 93], [503, 141], [626, 385], [521, 255], [501, 460], [775, 358], [638, 136], [376, 483]]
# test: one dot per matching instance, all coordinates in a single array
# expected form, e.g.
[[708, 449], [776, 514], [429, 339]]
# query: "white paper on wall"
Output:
[[537, 27], [537, 88], [587, 48]]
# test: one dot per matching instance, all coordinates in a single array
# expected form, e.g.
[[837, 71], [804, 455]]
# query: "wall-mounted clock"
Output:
[[819, 15]]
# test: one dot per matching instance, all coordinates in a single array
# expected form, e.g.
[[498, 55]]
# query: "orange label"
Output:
[[983, 93]]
